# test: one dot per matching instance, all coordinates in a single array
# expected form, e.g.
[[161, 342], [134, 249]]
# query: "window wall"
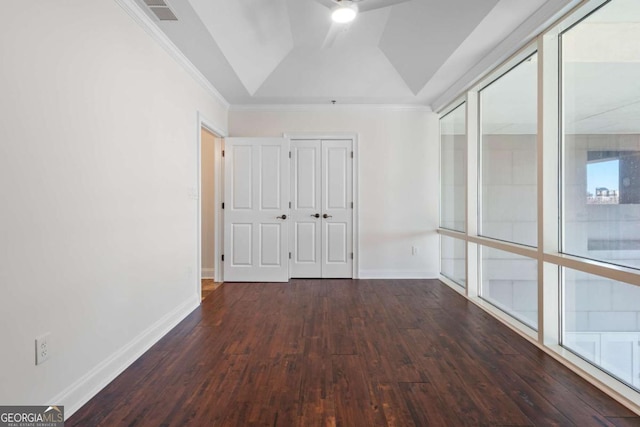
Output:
[[552, 237]]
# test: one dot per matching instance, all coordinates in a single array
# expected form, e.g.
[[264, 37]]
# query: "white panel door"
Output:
[[256, 197], [337, 212], [322, 209], [306, 210]]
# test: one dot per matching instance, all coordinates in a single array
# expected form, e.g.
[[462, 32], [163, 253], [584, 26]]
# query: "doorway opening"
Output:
[[209, 193], [208, 211]]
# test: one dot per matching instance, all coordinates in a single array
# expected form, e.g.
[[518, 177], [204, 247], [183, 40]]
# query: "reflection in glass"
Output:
[[603, 176], [508, 152], [453, 147], [601, 323], [453, 259], [510, 282]]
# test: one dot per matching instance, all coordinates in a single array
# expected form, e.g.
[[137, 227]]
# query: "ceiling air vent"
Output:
[[161, 10]]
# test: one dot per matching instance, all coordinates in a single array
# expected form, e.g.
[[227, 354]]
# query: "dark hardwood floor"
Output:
[[347, 353]]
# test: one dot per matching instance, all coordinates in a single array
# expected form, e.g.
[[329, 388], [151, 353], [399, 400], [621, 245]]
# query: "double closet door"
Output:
[[321, 234]]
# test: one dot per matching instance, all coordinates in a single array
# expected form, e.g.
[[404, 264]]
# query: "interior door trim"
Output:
[[355, 184]]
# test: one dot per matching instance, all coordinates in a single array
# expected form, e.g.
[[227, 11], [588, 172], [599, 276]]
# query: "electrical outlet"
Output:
[[42, 348], [414, 250]]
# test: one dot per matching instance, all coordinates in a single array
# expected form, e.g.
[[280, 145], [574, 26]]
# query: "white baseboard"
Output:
[[208, 273], [81, 391], [396, 274]]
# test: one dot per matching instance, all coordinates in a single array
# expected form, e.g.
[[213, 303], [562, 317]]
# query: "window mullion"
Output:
[[548, 188], [472, 159]]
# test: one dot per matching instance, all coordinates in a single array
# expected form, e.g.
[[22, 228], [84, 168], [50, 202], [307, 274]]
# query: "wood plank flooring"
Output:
[[208, 286], [346, 353]]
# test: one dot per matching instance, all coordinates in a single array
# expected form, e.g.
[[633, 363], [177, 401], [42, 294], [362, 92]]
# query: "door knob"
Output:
[[327, 216], [282, 217], [316, 215]]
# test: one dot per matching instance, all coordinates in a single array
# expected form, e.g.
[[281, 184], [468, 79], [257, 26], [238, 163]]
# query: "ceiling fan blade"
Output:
[[327, 3], [367, 5], [334, 31]]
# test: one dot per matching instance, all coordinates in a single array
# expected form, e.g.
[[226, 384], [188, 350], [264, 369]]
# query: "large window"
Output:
[[510, 282], [453, 148], [601, 118], [509, 125]]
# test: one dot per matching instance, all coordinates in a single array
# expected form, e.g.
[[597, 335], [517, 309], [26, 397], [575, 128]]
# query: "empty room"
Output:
[[320, 213]]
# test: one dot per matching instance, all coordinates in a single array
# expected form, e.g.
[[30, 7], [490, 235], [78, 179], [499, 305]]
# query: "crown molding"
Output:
[[328, 107], [161, 38], [537, 23]]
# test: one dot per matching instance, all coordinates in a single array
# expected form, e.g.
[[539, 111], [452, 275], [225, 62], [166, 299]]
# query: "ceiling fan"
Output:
[[345, 11]]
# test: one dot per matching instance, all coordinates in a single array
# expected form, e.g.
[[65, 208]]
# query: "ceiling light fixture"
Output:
[[344, 14]]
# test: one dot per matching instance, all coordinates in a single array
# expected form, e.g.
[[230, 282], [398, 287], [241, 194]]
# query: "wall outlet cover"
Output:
[[43, 349]]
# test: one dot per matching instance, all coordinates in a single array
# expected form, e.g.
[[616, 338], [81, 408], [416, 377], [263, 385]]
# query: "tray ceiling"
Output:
[[276, 51]]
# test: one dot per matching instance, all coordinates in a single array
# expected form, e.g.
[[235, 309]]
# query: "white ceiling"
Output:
[[276, 51]]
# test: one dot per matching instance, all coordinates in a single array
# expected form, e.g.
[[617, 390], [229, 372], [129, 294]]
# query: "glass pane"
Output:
[[510, 282], [452, 259], [509, 150], [453, 146], [601, 161], [601, 323]]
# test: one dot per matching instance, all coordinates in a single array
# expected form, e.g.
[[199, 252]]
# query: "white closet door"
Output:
[[306, 210], [256, 196], [337, 213]]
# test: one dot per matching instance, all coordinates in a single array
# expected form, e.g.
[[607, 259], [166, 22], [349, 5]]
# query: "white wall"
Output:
[[398, 178], [97, 175]]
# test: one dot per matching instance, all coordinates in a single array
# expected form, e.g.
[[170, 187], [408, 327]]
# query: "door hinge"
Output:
[[222, 153], [351, 205], [223, 205], [289, 205], [351, 255], [222, 257], [352, 154], [289, 255], [289, 154]]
